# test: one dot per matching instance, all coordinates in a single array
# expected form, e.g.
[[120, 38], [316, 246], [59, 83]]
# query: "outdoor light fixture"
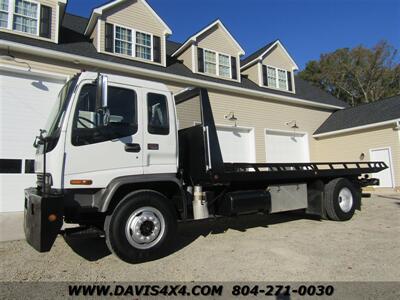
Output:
[[10, 57], [231, 117], [294, 126]]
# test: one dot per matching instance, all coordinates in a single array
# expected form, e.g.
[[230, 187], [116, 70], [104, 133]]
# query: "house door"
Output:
[[385, 176]]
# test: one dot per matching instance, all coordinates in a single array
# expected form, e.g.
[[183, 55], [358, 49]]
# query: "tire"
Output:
[[142, 227], [340, 199]]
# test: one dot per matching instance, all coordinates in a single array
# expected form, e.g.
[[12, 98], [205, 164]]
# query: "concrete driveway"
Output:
[[285, 247]]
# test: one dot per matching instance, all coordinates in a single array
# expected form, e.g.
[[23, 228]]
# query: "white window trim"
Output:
[[217, 63], [11, 13], [277, 79], [151, 44], [133, 41]]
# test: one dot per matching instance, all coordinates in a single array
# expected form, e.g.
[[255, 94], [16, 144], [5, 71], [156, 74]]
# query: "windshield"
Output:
[[56, 116]]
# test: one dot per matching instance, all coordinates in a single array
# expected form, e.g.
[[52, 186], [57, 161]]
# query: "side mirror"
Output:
[[102, 91], [102, 110]]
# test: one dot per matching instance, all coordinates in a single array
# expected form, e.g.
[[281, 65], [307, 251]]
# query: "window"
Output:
[[210, 62], [277, 78], [10, 166], [26, 16], [29, 166], [122, 105], [143, 45], [214, 63], [224, 66], [129, 42], [157, 114], [123, 40], [282, 79], [271, 76], [4, 13]]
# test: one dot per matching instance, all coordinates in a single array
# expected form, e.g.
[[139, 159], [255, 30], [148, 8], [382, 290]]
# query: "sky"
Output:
[[307, 28]]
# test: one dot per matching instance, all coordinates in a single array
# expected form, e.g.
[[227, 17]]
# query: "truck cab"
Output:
[[139, 136], [113, 159]]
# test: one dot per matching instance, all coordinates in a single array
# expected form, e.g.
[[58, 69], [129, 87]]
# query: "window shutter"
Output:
[[45, 21], [289, 80], [200, 60], [234, 67], [109, 37], [156, 49], [265, 75]]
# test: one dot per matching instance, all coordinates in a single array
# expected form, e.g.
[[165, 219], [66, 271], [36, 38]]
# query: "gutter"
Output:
[[336, 132], [159, 75]]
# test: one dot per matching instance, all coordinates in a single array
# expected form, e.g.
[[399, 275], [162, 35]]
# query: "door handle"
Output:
[[132, 148]]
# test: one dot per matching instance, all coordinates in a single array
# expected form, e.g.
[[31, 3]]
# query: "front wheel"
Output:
[[142, 227], [341, 199]]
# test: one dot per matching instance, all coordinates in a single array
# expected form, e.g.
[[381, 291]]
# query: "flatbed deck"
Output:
[[300, 171], [201, 157]]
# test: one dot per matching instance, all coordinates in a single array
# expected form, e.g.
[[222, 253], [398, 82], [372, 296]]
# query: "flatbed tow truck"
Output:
[[112, 158]]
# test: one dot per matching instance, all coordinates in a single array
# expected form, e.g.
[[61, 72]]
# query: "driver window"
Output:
[[122, 105], [157, 114]]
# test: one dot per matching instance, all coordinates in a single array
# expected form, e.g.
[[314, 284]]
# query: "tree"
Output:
[[358, 75]]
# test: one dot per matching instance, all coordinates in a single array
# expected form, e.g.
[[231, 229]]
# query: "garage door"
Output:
[[286, 147], [237, 144], [25, 103]]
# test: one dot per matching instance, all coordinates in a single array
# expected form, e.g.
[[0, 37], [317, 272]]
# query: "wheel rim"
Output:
[[145, 227], [345, 199]]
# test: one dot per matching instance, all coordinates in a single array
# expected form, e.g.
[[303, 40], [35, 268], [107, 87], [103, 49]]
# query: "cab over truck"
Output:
[[112, 158]]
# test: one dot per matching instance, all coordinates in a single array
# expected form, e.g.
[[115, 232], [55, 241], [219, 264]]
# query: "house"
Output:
[[263, 111], [368, 132]]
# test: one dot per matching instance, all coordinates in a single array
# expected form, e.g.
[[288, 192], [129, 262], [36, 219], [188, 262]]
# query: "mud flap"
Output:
[[43, 219]]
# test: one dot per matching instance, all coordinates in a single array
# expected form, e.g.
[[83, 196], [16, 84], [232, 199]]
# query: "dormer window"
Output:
[[210, 62], [217, 64], [143, 45], [277, 78], [282, 79], [123, 40], [3, 13], [26, 16], [131, 42], [224, 66]]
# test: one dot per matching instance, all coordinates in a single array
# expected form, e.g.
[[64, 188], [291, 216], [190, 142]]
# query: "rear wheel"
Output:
[[142, 227], [340, 199]]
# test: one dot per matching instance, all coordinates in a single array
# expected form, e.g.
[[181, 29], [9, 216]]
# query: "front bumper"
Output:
[[43, 218]]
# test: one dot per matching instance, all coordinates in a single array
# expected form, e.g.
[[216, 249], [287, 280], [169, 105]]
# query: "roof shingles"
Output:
[[73, 41], [365, 114]]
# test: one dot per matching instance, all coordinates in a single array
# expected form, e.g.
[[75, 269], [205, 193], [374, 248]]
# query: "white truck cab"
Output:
[[140, 136]]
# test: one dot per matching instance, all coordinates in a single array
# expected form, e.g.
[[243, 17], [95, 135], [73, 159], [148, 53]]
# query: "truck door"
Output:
[[102, 153], [159, 130]]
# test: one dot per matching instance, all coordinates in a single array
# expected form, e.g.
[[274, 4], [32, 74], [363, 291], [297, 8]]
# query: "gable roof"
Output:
[[74, 45], [98, 11], [366, 114], [205, 29], [259, 54]]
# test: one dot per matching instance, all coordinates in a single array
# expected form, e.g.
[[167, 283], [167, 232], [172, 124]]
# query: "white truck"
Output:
[[112, 158]]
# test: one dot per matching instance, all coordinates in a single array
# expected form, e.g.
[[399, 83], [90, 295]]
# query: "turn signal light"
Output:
[[81, 182], [52, 218]]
